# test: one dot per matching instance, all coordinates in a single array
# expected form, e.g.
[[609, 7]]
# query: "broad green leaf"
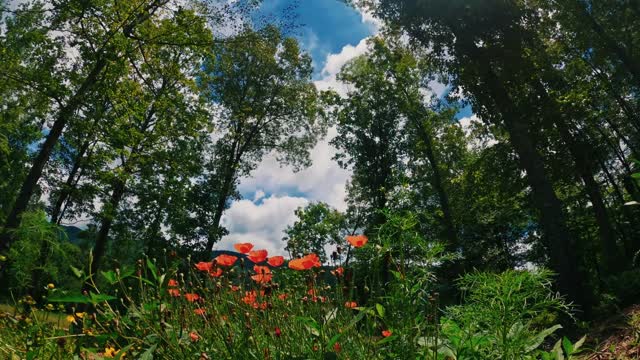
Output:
[[75, 298], [110, 276], [152, 268]]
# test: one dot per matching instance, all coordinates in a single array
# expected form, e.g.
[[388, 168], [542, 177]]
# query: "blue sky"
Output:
[[323, 26]]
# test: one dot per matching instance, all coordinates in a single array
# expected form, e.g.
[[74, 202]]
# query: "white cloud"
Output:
[[369, 19], [334, 64], [260, 224], [323, 181]]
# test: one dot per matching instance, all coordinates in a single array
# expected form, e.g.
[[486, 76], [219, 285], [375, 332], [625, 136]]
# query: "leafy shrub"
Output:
[[504, 316]]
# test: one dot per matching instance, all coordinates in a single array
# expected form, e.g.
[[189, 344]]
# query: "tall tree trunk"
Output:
[[30, 182], [68, 186], [551, 215], [108, 216], [580, 152], [437, 183], [610, 44]]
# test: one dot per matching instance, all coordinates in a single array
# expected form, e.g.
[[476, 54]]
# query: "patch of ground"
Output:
[[618, 338]]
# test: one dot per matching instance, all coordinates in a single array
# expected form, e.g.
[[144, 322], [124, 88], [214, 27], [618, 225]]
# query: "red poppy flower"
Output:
[[204, 266], [276, 261], [263, 274], [386, 333], [339, 271], [351, 304], [262, 278], [257, 256], [226, 260], [277, 332], [305, 263], [297, 264], [311, 260], [336, 347], [194, 336], [172, 282], [235, 288], [282, 296], [191, 297], [357, 240], [215, 273], [199, 311], [174, 292], [243, 248]]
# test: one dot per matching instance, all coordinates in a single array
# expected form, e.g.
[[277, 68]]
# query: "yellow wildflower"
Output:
[[51, 286], [109, 352], [71, 319]]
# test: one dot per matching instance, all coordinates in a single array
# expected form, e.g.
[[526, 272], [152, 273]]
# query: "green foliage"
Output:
[[34, 230], [318, 226], [503, 316]]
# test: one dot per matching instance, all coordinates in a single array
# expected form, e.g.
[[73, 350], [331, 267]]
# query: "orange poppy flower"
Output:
[[194, 336], [243, 248], [204, 266], [357, 240], [351, 304], [386, 333], [191, 297], [215, 273], [339, 271], [305, 263], [226, 260], [312, 260], [174, 292], [297, 264], [257, 256], [282, 296], [199, 311], [263, 274], [276, 261], [249, 297], [172, 282]]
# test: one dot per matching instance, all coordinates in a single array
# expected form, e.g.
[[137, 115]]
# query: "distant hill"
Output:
[[74, 234]]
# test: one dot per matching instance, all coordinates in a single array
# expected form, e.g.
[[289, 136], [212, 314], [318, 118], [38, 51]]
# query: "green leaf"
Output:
[[579, 343], [152, 267], [77, 272], [148, 354], [75, 298], [110, 276], [380, 310], [333, 340], [98, 298], [537, 340], [567, 346], [387, 339]]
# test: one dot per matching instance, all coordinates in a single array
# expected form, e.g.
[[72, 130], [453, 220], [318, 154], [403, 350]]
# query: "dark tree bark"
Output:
[[100, 246], [609, 43], [31, 181], [437, 183]]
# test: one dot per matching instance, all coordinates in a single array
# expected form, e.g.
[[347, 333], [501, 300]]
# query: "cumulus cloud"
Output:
[[260, 224], [335, 62], [323, 181]]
